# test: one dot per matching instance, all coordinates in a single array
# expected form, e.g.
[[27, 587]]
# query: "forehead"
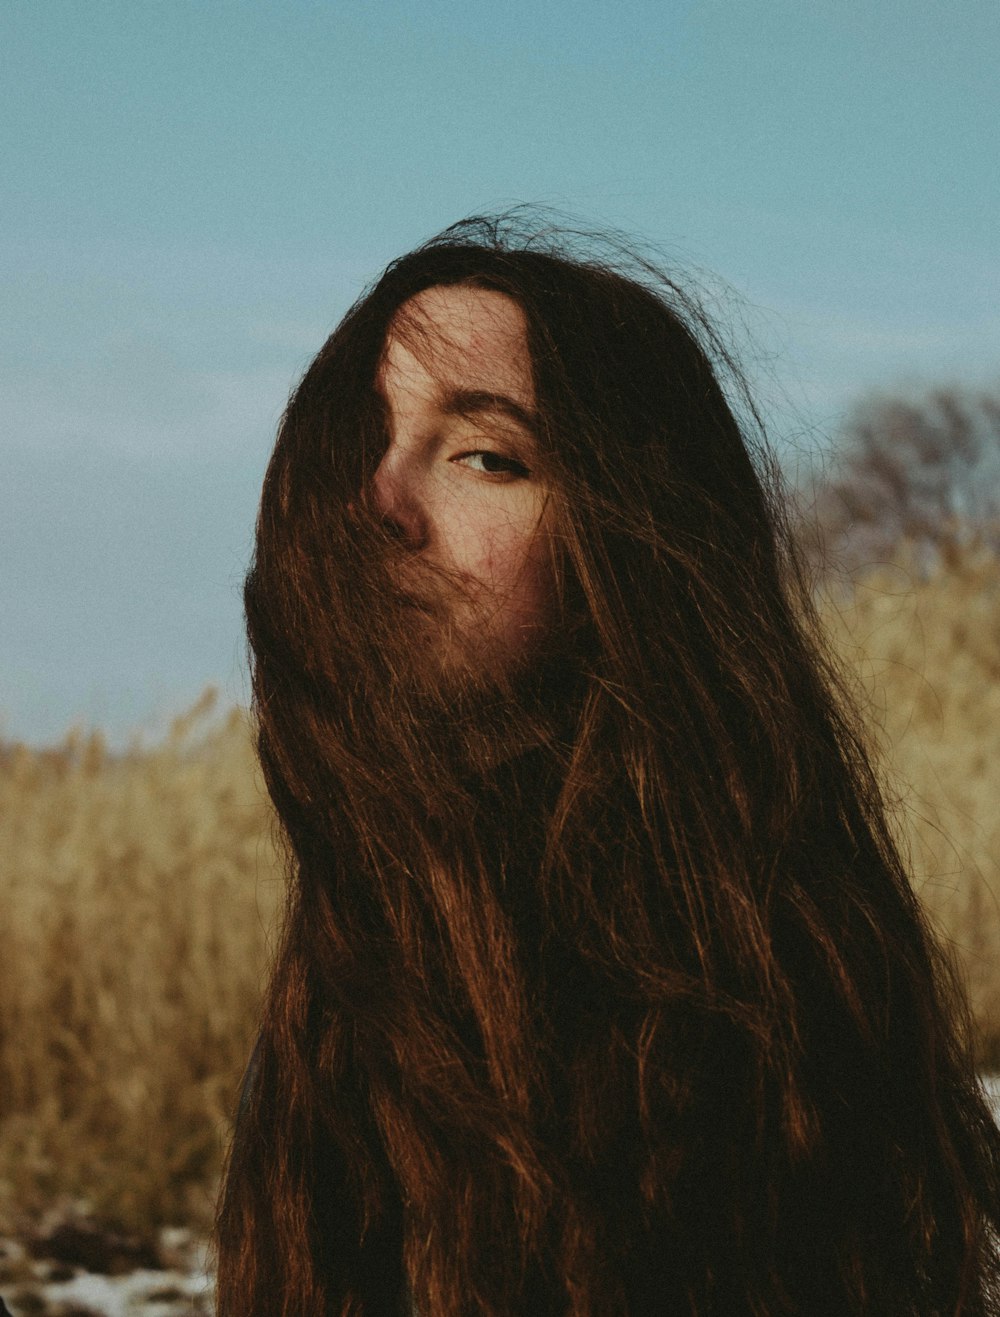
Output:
[[460, 337]]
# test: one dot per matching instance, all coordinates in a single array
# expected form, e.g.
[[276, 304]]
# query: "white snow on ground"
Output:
[[34, 1288], [149, 1293]]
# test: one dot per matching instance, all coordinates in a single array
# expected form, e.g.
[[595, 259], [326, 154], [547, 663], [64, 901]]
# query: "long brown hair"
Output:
[[639, 1014]]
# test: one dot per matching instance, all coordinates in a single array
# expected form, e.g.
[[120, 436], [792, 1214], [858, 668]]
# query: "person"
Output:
[[602, 987]]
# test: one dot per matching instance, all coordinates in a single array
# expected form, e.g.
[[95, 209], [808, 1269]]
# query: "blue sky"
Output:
[[193, 193]]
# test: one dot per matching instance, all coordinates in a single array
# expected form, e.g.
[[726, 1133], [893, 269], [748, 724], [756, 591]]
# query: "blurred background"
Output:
[[192, 196]]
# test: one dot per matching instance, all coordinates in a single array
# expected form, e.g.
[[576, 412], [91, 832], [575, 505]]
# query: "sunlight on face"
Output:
[[458, 479]]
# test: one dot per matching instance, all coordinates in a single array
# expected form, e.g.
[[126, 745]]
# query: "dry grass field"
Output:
[[924, 657], [139, 892]]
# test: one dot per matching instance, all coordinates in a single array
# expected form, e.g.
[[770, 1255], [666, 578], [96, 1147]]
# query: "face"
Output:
[[459, 478]]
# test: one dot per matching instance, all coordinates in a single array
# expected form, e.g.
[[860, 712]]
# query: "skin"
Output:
[[459, 480]]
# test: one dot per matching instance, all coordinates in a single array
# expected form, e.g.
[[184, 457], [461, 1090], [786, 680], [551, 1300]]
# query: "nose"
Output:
[[397, 501]]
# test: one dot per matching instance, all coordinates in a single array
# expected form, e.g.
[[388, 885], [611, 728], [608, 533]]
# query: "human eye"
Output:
[[493, 464]]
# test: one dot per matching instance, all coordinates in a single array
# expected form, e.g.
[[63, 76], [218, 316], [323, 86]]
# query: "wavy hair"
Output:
[[601, 989]]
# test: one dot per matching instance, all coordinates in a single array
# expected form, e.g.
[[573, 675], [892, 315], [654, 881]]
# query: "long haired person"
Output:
[[602, 988]]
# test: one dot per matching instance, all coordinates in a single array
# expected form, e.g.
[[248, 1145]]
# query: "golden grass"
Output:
[[925, 659], [137, 896], [139, 891]]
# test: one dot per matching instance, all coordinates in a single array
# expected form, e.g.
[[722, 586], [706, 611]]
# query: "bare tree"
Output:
[[926, 472]]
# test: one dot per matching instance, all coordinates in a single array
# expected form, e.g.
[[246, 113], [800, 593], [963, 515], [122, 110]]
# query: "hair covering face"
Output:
[[602, 987]]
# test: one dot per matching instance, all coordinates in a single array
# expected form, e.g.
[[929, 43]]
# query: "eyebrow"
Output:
[[465, 402]]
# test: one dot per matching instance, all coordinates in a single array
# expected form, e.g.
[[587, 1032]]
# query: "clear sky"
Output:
[[193, 193]]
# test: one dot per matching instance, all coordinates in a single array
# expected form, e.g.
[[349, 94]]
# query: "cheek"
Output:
[[503, 555], [518, 574], [490, 546]]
